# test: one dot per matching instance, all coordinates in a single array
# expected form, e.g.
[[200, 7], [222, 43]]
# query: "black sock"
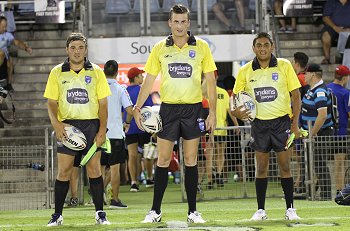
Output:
[[61, 190], [96, 188], [160, 184], [191, 181], [288, 189], [260, 189]]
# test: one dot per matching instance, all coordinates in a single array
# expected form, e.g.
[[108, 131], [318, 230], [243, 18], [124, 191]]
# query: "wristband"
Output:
[[127, 122], [137, 107]]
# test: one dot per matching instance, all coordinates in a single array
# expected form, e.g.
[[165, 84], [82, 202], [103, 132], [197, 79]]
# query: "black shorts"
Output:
[[77, 160], [270, 134], [89, 128], [3, 70], [118, 154], [334, 35], [141, 139], [181, 120]]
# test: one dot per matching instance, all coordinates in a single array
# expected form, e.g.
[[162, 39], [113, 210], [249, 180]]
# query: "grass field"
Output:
[[220, 215]]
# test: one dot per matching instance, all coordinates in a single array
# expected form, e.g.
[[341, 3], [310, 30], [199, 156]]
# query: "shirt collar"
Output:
[[66, 66], [256, 65], [191, 40], [317, 84]]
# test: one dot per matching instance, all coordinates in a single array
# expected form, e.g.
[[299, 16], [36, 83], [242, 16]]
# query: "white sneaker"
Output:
[[259, 215], [101, 218], [56, 220], [291, 214], [195, 217], [152, 217]]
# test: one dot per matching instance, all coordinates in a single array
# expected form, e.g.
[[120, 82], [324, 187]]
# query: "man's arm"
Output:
[[52, 107], [320, 119], [20, 44], [103, 116], [143, 94], [296, 106], [210, 122]]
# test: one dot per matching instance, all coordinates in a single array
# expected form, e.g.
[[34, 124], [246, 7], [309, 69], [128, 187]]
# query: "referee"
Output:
[[274, 85], [76, 93], [181, 59]]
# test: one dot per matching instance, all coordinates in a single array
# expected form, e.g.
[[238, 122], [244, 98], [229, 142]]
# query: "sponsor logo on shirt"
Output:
[[180, 70], [77, 96], [265, 94]]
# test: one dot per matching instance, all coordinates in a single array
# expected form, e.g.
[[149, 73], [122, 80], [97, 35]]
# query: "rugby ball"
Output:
[[245, 99], [75, 139], [151, 121]]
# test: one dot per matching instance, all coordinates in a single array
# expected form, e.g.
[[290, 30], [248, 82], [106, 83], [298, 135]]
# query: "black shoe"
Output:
[[134, 188], [149, 184], [117, 204], [73, 202], [220, 182]]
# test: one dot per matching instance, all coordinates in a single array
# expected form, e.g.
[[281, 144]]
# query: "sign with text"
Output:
[[225, 48], [49, 11], [296, 8]]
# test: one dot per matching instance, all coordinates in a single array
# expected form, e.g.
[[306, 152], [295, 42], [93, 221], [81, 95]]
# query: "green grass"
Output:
[[225, 215]]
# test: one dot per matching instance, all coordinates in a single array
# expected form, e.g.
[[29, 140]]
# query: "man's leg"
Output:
[[65, 166], [115, 180], [287, 183], [220, 161], [132, 163], [93, 168], [165, 148], [326, 44], [339, 161], [262, 165], [191, 172]]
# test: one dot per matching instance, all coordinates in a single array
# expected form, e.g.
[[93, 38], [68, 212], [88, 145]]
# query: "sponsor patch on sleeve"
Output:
[[321, 94]]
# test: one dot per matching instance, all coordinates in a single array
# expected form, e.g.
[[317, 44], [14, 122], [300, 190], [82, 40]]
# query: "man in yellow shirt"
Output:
[[77, 93], [275, 87], [181, 58]]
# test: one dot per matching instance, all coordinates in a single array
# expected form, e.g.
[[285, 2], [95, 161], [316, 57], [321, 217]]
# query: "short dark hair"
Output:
[[76, 37], [301, 58], [179, 9], [262, 35], [111, 68], [3, 18]]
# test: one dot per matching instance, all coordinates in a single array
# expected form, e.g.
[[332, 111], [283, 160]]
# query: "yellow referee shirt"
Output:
[[270, 87], [222, 105], [181, 69], [77, 93]]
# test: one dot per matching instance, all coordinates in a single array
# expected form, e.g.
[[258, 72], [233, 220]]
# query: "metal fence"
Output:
[[23, 177], [318, 167]]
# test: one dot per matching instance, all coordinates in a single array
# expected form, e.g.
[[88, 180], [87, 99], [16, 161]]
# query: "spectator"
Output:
[[119, 98], [299, 64], [278, 6], [336, 18], [134, 136], [316, 106], [341, 78], [219, 10], [6, 39], [275, 87]]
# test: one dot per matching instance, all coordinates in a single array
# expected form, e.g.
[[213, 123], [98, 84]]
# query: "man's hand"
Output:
[[126, 127], [210, 122], [100, 138], [136, 112], [295, 129], [59, 130], [241, 114]]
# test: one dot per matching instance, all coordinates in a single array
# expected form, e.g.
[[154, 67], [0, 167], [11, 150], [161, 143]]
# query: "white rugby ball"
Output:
[[245, 99], [75, 139], [151, 121]]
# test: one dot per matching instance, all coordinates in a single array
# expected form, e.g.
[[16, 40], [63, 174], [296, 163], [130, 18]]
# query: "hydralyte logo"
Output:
[[77, 96], [180, 70], [265, 94]]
